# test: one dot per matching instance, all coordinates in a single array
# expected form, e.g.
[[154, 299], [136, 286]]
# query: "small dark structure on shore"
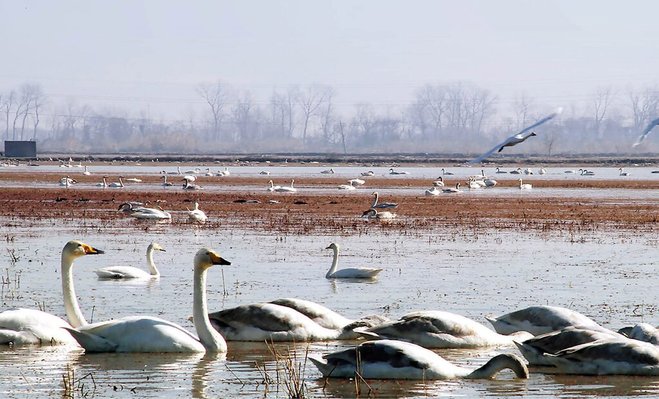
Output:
[[20, 149]]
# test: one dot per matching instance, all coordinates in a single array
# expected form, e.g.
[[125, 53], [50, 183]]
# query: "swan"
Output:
[[518, 138], [286, 189], [439, 329], [357, 182], [190, 186], [368, 173], [86, 172], [542, 171], [645, 132], [528, 171], [525, 186], [129, 272], [346, 187], [439, 182], [389, 359], [517, 171], [396, 172], [138, 211], [272, 186], [224, 172], [67, 181], [608, 357], [642, 332], [29, 326], [541, 319], [166, 183], [382, 205], [534, 349], [586, 172], [189, 178], [197, 215], [208, 172], [152, 334], [379, 215], [265, 321], [500, 171], [117, 185], [264, 172], [353, 272], [446, 173], [434, 191], [133, 180], [489, 182], [473, 184], [329, 171], [622, 173], [103, 184], [570, 172], [452, 190]]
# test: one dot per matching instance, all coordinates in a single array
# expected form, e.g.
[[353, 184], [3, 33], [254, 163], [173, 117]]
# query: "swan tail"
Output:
[[323, 366], [92, 343]]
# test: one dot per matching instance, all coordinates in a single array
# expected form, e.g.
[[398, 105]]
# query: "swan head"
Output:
[[156, 247], [370, 213], [532, 134], [333, 246], [75, 249], [205, 258]]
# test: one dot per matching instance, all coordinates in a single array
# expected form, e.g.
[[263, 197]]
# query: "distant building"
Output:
[[20, 149]]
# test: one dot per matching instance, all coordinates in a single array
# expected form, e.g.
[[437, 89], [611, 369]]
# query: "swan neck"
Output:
[[335, 263], [209, 338], [73, 312], [153, 270], [498, 363]]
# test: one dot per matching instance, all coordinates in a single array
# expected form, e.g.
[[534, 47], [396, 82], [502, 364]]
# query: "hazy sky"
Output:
[[140, 55]]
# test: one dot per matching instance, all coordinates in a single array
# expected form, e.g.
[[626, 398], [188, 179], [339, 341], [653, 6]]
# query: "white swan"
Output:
[[379, 215], [446, 173], [266, 321], [130, 272], [541, 319], [272, 186], [452, 190], [286, 189], [166, 183], [388, 359], [542, 171], [439, 182], [352, 272], [524, 186], [120, 184], [29, 326], [190, 186], [474, 185], [528, 171], [382, 205], [67, 181], [396, 172], [357, 182], [86, 172], [534, 349], [264, 172], [368, 173], [151, 334], [586, 172], [434, 191], [645, 132], [208, 172], [224, 172], [622, 173], [197, 215], [438, 329], [103, 184], [349, 187], [500, 171], [642, 332], [329, 171], [138, 211], [608, 357]]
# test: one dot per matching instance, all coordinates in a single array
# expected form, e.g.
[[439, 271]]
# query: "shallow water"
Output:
[[609, 276]]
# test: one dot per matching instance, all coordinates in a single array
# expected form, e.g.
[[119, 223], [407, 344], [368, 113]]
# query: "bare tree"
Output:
[[7, 106], [244, 117], [309, 102], [327, 116], [523, 106], [644, 106], [216, 96], [283, 111], [601, 102], [38, 100]]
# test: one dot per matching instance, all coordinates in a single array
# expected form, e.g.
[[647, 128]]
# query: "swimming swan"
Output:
[[151, 334], [353, 272], [541, 319], [382, 205], [286, 189], [389, 359], [608, 357], [29, 326], [439, 329], [117, 185], [642, 332], [128, 272], [524, 186], [379, 215]]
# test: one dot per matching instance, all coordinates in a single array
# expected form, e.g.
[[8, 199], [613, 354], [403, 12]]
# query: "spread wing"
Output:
[[646, 131], [526, 129]]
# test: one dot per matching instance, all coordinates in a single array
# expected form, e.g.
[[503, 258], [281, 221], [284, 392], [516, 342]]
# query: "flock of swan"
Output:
[[549, 339]]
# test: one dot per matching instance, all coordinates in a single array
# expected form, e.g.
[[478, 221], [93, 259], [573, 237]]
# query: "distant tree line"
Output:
[[449, 118]]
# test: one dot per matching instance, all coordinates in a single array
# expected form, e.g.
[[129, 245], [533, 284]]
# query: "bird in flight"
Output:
[[515, 139], [646, 131]]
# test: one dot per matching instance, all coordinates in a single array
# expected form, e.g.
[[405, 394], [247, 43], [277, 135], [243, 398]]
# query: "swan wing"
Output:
[[119, 272], [645, 132], [318, 313], [353, 272], [29, 326]]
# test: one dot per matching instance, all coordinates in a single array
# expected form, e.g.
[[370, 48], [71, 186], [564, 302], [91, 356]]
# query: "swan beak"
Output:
[[218, 260], [89, 250]]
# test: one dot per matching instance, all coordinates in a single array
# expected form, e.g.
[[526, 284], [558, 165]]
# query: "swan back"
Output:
[[333, 272], [541, 319]]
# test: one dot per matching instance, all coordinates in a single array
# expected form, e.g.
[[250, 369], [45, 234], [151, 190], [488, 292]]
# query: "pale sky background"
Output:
[[150, 55]]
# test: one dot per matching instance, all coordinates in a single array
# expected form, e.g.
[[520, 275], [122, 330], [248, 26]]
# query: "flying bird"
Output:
[[646, 131], [517, 138]]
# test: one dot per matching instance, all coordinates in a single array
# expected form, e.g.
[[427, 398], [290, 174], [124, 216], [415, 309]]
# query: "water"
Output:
[[609, 276]]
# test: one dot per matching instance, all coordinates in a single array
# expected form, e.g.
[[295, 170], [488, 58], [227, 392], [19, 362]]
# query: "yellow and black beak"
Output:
[[218, 260], [89, 250]]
